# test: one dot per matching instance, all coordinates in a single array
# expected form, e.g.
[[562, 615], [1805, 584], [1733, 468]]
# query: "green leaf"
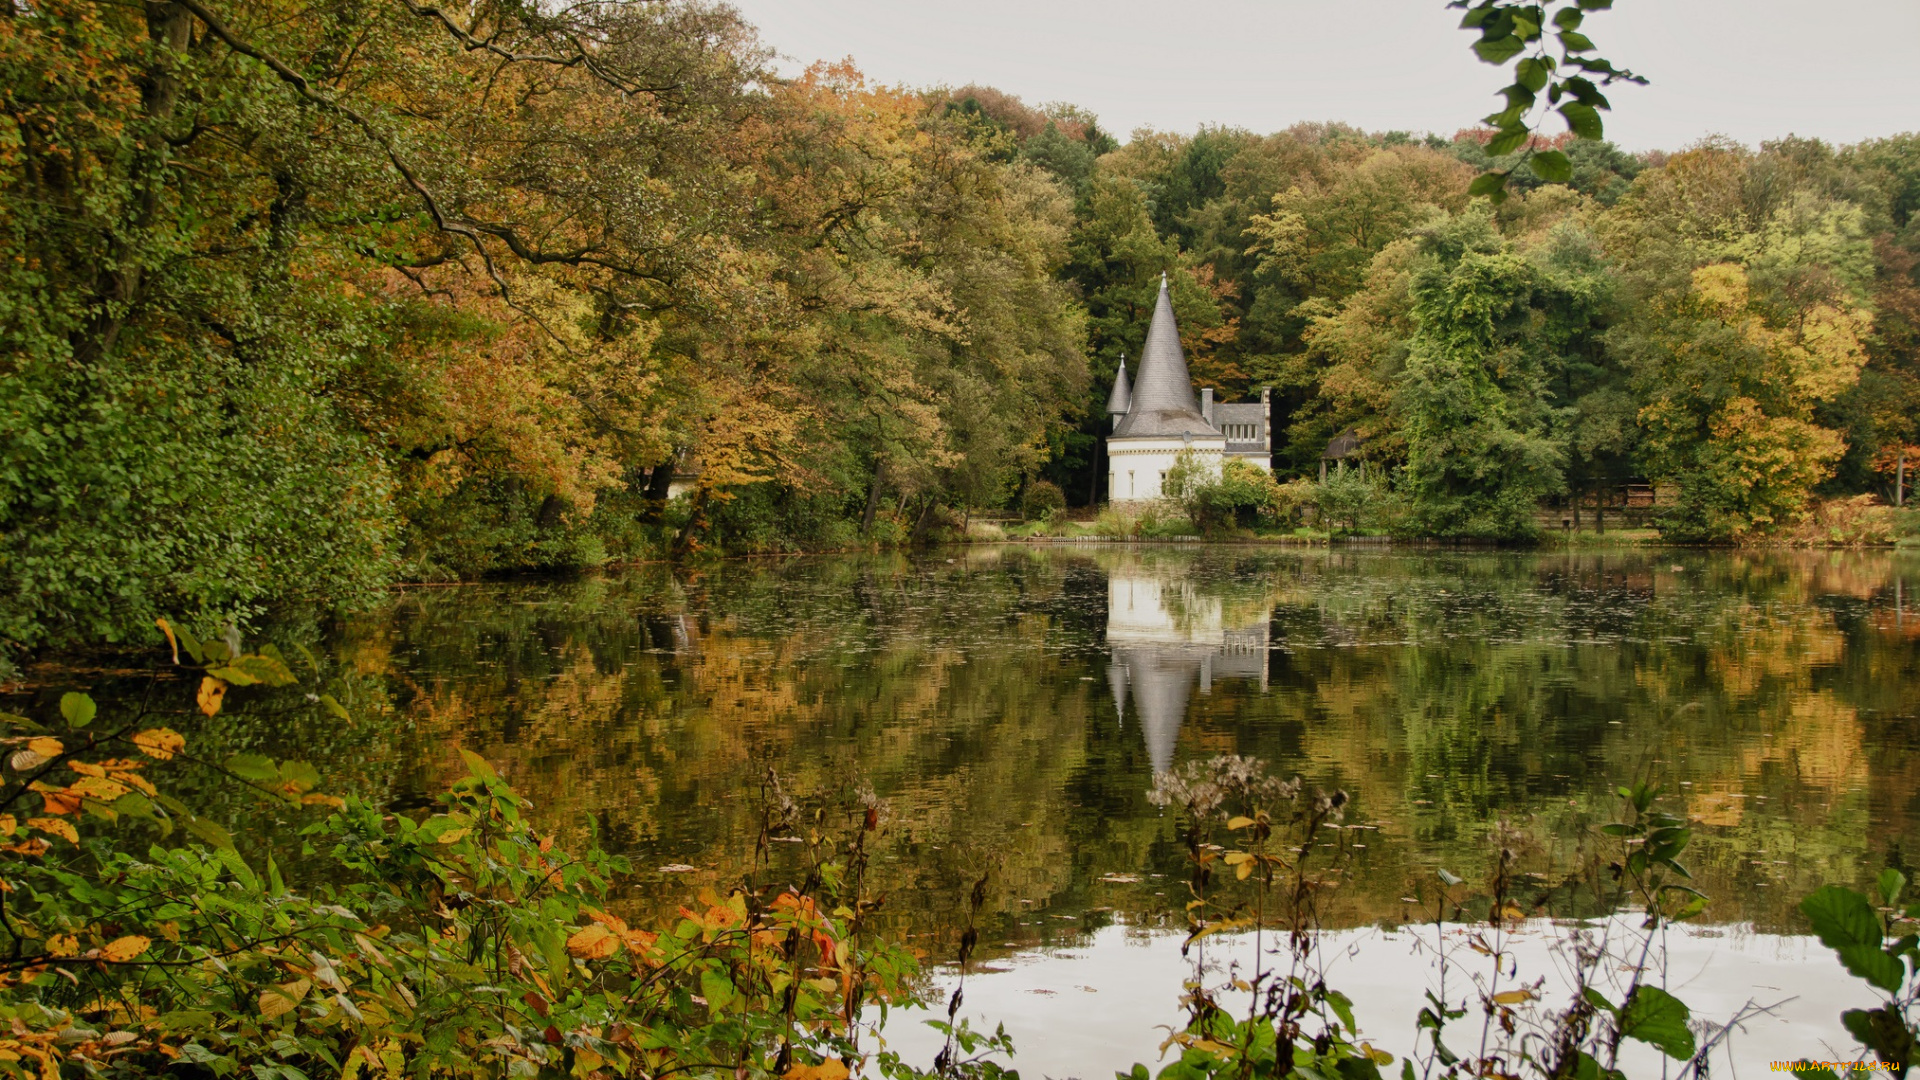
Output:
[[1882, 1030], [1586, 92], [1872, 963], [1583, 120], [1343, 1008], [1574, 41], [1531, 73], [212, 832], [1595, 5], [1892, 883], [300, 775], [78, 708], [257, 768], [1509, 140], [1569, 18], [1498, 50], [1841, 917], [338, 710], [477, 765], [1598, 1000], [1551, 166], [1658, 1018]]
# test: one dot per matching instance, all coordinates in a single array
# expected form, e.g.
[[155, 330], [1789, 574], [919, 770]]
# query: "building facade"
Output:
[[1157, 417]]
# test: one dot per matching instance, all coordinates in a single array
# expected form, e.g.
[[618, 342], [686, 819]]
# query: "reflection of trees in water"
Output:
[[985, 697]]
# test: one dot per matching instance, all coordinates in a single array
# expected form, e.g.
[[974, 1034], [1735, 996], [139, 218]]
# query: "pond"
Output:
[[1012, 705]]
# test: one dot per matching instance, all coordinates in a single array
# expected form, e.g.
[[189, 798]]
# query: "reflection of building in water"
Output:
[[1165, 638]]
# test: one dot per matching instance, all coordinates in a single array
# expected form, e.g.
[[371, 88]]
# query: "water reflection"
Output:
[[1167, 636], [1013, 705]]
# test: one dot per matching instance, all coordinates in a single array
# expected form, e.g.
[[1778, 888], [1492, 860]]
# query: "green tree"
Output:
[[1485, 437]]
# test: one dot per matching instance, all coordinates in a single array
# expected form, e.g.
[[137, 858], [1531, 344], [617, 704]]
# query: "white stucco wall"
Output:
[[1136, 466]]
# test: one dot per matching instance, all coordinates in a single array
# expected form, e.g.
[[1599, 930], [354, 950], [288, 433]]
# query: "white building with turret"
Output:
[[1156, 418]]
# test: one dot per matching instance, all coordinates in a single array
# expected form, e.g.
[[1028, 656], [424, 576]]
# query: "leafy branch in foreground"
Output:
[[462, 944], [1570, 82]]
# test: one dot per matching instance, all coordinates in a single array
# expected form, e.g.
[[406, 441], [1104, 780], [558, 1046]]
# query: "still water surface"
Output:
[[1013, 704]]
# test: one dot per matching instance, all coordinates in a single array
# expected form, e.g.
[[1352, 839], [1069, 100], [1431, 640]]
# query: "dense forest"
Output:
[[302, 302]]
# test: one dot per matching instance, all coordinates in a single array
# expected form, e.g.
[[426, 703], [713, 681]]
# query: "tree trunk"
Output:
[[873, 496], [1093, 483], [687, 541], [920, 522], [118, 288], [659, 483]]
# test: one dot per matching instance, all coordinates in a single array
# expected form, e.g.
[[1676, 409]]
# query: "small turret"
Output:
[[1120, 402]]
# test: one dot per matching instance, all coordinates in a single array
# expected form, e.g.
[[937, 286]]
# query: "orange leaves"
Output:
[[606, 936], [595, 942], [830, 1069], [59, 827], [48, 748], [162, 743], [63, 945], [212, 693]]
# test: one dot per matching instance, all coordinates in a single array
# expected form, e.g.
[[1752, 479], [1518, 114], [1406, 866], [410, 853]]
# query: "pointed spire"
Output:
[[1163, 403], [1121, 399]]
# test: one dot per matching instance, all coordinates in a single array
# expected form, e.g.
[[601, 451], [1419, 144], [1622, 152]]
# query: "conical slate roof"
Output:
[[1121, 399], [1163, 404]]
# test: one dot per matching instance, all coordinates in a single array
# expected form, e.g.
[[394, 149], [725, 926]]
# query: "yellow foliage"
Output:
[[59, 827], [122, 949], [212, 692], [162, 743], [596, 942], [277, 1001]]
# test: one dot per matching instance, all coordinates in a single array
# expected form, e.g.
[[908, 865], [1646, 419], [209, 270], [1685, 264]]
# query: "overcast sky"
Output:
[[1842, 70]]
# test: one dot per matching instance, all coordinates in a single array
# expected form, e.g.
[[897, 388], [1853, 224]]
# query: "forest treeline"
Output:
[[301, 300]]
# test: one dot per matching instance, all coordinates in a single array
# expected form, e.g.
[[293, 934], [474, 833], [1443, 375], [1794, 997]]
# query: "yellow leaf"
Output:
[[162, 743], [453, 836], [1235, 858], [277, 1001], [121, 950], [334, 801], [59, 827], [830, 1069], [1243, 871], [1512, 997], [212, 690], [47, 746], [1239, 822], [8, 824], [595, 942], [63, 945], [172, 642]]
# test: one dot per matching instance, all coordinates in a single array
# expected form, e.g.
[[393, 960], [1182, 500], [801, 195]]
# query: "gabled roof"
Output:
[[1121, 399], [1163, 401], [1344, 445]]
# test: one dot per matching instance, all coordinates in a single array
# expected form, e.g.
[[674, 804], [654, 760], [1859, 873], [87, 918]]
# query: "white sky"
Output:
[[1842, 70]]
